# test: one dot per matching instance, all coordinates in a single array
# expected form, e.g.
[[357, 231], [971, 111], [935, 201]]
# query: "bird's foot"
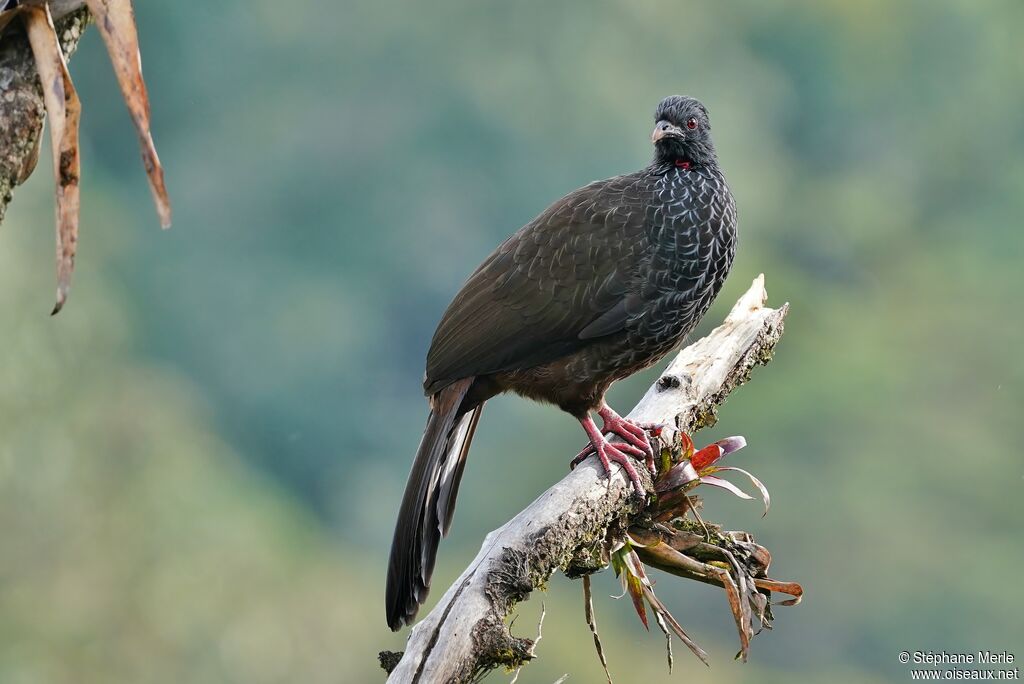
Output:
[[635, 433], [623, 453], [589, 450]]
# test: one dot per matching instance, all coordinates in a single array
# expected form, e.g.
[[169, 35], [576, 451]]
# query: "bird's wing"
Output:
[[558, 282]]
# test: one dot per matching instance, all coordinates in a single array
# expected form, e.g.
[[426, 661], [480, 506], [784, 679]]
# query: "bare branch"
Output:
[[564, 528]]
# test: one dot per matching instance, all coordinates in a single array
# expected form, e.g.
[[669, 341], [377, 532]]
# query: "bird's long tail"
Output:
[[429, 501]]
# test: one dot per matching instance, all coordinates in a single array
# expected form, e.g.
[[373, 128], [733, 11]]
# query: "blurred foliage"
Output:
[[202, 457]]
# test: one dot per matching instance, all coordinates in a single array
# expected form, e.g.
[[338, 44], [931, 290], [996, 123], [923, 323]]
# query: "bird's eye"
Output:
[[691, 123]]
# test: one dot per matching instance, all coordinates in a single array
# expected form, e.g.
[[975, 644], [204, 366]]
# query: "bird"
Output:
[[602, 284]]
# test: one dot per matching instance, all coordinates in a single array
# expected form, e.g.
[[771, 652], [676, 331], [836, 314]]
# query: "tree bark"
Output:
[[21, 95], [465, 634]]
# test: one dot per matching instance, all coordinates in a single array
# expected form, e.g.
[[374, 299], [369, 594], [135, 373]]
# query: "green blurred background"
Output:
[[202, 456]]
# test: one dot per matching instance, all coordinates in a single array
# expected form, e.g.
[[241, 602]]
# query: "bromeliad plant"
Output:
[[694, 468], [674, 538]]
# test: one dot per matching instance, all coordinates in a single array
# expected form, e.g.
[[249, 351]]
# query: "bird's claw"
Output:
[[635, 433], [609, 453], [626, 447], [637, 445]]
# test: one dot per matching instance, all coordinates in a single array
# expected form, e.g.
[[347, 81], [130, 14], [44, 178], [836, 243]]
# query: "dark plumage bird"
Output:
[[602, 284]]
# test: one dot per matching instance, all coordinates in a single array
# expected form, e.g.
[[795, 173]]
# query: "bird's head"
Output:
[[682, 133]]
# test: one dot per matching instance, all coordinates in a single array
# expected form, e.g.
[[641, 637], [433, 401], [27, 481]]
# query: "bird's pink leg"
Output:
[[608, 453], [637, 442]]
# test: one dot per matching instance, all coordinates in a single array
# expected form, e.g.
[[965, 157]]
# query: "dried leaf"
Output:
[[588, 611], [666, 558], [63, 110], [116, 22], [791, 588], [668, 639], [628, 565], [740, 612], [759, 602], [765, 496], [658, 607], [737, 590], [724, 484]]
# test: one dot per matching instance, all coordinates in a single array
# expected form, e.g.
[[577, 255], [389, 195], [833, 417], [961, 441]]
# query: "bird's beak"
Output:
[[664, 129]]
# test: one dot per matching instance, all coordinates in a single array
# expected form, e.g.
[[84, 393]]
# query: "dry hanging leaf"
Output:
[[64, 111], [116, 22], [588, 611]]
